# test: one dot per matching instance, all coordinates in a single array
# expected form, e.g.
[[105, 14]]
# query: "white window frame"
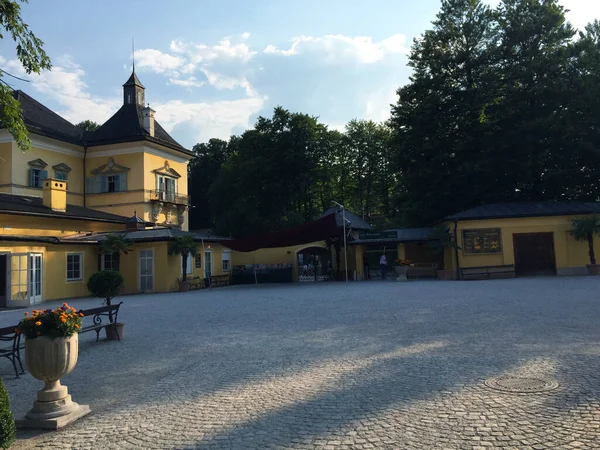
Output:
[[189, 268], [161, 186], [226, 257], [80, 266], [103, 260]]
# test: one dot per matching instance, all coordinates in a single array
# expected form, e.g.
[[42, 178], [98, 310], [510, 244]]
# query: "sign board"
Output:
[[378, 235], [481, 241]]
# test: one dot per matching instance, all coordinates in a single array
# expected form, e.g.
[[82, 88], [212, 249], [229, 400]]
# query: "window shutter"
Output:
[[89, 185], [103, 183], [117, 262], [43, 175], [123, 182], [31, 182]]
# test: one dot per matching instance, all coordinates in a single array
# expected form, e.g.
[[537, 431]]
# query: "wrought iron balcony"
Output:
[[169, 197]]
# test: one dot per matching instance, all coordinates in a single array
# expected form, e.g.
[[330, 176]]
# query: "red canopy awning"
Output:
[[317, 230]]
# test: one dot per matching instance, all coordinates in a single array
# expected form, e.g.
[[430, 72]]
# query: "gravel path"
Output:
[[372, 365]]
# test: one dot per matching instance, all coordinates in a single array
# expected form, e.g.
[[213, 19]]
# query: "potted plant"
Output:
[[107, 284], [441, 239], [7, 420], [51, 351], [184, 246], [401, 269], [584, 229]]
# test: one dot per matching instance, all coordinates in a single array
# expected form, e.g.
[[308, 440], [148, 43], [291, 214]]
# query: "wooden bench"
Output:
[[12, 352], [196, 283], [488, 272], [97, 314], [418, 270], [219, 280]]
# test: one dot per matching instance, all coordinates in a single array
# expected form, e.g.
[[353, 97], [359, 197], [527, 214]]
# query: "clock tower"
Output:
[[133, 91]]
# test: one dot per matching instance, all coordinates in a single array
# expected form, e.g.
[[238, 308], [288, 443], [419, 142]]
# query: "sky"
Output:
[[211, 67]]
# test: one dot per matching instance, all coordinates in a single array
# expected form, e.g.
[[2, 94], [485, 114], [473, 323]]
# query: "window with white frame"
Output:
[[226, 261], [74, 266], [188, 265], [110, 261], [167, 188]]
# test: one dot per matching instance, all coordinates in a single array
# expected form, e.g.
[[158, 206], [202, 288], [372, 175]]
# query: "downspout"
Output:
[[84, 158], [456, 250]]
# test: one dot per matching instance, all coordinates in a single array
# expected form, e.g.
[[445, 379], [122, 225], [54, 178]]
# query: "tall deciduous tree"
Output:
[[88, 125], [31, 54]]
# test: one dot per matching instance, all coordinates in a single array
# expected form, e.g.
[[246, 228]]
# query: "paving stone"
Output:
[[372, 365]]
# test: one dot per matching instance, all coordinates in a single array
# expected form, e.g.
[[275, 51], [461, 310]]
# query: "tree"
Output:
[[31, 54], [88, 125], [184, 246], [115, 244], [106, 284], [7, 420], [584, 229]]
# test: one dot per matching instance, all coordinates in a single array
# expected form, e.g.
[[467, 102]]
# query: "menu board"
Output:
[[484, 240]]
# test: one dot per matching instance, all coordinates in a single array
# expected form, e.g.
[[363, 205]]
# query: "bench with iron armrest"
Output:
[[219, 280], [418, 270], [12, 352], [488, 272], [97, 314], [196, 283]]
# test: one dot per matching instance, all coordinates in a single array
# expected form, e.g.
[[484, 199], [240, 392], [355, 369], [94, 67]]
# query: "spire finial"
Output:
[[133, 53]]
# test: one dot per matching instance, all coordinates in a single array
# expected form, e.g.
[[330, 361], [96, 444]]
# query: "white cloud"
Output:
[[221, 81], [340, 49], [189, 82], [158, 61]]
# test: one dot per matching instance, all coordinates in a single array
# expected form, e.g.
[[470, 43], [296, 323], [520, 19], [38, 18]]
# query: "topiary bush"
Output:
[[105, 284], [7, 420]]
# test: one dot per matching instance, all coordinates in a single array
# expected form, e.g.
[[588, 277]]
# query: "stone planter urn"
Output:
[[401, 272], [593, 269], [50, 359], [184, 286]]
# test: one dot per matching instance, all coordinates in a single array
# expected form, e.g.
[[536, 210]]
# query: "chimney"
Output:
[[148, 114], [55, 194]]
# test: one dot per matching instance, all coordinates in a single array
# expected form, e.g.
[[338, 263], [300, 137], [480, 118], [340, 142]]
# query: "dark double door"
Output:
[[534, 254]]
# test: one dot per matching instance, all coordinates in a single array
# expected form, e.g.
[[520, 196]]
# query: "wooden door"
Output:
[[534, 254]]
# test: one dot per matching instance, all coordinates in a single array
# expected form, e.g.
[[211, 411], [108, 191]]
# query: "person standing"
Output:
[[383, 266]]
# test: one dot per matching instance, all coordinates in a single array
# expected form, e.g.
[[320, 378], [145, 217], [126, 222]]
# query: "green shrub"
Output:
[[105, 284], [7, 420]]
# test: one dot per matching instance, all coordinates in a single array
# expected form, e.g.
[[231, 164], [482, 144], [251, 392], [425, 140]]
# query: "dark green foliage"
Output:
[[116, 243], [7, 420], [584, 229], [31, 54], [88, 125], [105, 284], [184, 246], [443, 238]]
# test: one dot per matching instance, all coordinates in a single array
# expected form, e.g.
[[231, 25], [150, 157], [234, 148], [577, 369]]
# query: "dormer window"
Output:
[[61, 171]]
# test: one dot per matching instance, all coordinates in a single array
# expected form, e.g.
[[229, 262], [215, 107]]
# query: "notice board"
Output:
[[482, 240]]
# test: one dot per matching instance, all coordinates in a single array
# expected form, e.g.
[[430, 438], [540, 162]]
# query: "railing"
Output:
[[169, 197]]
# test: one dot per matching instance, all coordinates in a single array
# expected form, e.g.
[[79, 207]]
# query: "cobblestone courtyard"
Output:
[[371, 365]]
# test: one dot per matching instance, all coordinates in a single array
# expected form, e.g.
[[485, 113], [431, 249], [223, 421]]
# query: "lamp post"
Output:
[[344, 227]]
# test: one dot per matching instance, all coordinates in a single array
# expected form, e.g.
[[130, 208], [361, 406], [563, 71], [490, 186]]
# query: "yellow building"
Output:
[[534, 237], [59, 201]]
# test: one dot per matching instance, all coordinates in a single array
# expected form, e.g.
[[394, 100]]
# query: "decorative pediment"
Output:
[[62, 167], [38, 163], [167, 170], [110, 168]]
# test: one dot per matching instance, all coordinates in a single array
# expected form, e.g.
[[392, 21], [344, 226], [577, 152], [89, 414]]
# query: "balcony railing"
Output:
[[169, 197]]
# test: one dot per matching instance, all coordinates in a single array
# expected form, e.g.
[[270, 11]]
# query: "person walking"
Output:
[[383, 266]]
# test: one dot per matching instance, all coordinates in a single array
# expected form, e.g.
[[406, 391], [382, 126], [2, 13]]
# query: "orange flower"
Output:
[[76, 325], [81, 314], [26, 313], [73, 310], [63, 320], [38, 323]]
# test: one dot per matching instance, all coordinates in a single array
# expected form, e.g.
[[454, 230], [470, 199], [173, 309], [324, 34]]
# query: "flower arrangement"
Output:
[[403, 262], [54, 323]]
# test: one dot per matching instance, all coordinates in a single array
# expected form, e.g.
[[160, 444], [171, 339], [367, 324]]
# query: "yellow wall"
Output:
[[13, 224], [571, 256], [5, 165]]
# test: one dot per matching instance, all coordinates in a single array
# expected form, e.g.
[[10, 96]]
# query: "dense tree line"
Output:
[[503, 105]]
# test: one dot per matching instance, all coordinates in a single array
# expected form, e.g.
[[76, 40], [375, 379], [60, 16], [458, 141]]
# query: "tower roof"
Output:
[[133, 81]]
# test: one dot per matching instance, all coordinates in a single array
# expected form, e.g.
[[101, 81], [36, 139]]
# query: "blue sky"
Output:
[[211, 67]]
